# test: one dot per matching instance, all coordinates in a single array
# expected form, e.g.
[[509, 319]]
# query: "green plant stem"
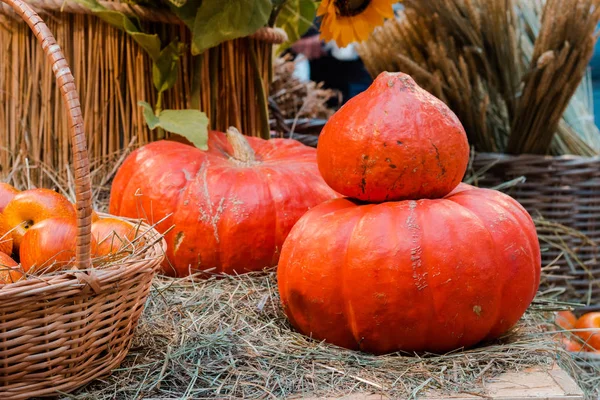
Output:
[[275, 13], [262, 96], [160, 132], [196, 85]]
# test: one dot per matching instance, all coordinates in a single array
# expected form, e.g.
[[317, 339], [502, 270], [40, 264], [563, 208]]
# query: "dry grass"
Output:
[[26, 174], [223, 338], [561, 55]]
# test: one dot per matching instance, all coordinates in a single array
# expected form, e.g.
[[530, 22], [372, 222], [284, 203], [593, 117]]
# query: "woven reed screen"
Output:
[[113, 74]]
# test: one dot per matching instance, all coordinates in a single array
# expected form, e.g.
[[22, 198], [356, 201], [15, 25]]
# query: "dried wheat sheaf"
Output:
[[514, 71]]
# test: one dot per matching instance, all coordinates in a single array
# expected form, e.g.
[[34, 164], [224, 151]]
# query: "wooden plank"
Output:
[[530, 384]]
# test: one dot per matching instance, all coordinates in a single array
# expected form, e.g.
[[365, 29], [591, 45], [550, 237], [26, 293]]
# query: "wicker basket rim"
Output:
[[93, 278], [266, 34]]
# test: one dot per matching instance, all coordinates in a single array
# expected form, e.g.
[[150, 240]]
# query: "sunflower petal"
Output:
[[347, 29], [323, 7]]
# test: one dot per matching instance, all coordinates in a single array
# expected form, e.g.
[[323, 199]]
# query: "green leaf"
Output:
[[187, 12], [93, 5], [164, 69], [295, 18], [191, 124], [150, 43], [151, 120], [215, 21]]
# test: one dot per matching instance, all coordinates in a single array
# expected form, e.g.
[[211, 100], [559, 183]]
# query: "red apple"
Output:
[[112, 235], [6, 240], [29, 207], [590, 322], [50, 245], [7, 192], [9, 272]]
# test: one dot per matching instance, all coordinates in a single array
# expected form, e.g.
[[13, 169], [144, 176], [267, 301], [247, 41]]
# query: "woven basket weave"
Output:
[[60, 331], [564, 190]]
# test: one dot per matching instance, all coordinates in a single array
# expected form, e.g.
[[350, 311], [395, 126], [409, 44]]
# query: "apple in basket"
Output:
[[49, 245], [113, 235], [30, 207], [6, 241], [7, 192], [9, 271]]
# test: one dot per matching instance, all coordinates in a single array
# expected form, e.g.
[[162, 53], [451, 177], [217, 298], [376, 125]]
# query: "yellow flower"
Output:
[[347, 21]]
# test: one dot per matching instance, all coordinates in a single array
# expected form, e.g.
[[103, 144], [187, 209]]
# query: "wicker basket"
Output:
[[60, 331], [563, 190]]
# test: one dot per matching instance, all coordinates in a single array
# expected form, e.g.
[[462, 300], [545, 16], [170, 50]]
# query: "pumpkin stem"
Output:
[[242, 151]]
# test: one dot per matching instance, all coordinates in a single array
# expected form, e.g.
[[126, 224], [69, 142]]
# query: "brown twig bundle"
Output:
[[471, 54], [296, 99], [560, 57]]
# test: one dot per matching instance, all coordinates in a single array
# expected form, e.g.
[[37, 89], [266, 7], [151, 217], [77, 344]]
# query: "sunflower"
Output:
[[347, 21]]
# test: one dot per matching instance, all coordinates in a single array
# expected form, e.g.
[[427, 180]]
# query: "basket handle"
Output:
[[66, 82]]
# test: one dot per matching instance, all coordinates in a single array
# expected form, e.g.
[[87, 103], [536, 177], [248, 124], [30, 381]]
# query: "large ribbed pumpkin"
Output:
[[228, 209], [415, 275], [394, 141]]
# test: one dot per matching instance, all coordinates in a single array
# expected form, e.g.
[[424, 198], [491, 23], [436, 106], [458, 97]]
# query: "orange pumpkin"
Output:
[[230, 207], [572, 345], [424, 275], [394, 141]]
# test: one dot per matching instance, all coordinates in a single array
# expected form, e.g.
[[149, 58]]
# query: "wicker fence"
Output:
[[560, 192], [114, 74]]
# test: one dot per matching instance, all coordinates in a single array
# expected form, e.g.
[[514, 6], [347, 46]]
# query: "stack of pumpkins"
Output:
[[412, 259]]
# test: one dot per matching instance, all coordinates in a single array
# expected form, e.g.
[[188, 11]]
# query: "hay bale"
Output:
[[228, 337]]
